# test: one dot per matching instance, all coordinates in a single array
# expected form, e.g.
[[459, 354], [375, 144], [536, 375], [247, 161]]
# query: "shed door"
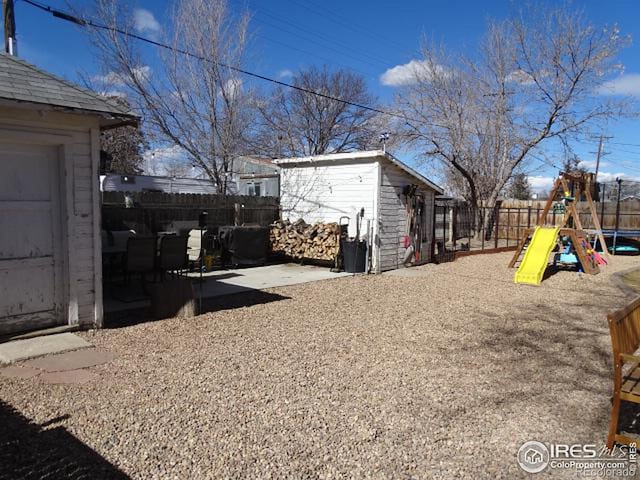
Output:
[[30, 253]]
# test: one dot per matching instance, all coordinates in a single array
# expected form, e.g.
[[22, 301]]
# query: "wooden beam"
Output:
[[542, 219], [596, 222], [523, 240]]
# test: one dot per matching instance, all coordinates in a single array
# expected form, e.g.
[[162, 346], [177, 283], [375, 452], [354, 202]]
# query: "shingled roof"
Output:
[[23, 82]]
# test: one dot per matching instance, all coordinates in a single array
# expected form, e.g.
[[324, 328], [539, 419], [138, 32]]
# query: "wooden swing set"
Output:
[[568, 189]]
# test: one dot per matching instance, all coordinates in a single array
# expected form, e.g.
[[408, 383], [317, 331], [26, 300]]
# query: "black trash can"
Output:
[[354, 254]]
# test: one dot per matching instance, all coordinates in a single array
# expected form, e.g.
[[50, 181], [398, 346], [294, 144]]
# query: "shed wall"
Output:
[[81, 187], [324, 193], [393, 218]]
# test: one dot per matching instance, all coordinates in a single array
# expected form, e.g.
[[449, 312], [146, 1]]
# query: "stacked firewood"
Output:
[[319, 241]]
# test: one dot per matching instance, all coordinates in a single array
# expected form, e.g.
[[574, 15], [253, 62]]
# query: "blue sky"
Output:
[[368, 37]]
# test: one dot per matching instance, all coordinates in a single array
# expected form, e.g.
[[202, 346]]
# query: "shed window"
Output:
[[253, 189]]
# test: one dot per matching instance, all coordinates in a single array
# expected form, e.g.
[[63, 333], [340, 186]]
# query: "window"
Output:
[[253, 189]]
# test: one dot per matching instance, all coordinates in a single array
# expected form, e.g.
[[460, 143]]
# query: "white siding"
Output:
[[80, 185], [324, 193], [113, 183], [393, 217]]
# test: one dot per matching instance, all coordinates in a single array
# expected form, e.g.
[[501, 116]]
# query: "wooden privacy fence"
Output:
[[152, 212], [512, 220], [456, 228]]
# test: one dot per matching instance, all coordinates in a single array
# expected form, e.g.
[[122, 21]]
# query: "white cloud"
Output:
[[113, 93], [286, 73], [540, 183], [611, 177], [628, 84], [521, 77], [591, 164], [167, 161], [408, 73], [232, 87], [145, 22], [113, 79]]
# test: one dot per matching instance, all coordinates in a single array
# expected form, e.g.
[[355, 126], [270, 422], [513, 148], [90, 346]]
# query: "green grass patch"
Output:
[[632, 279]]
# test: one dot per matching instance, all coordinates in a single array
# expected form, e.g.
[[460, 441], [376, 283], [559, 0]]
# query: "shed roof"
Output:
[[361, 155], [25, 83]]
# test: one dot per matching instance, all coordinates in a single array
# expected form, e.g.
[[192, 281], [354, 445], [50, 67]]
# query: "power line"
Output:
[[626, 151], [599, 154], [337, 18], [315, 37], [545, 161], [627, 144], [301, 50], [86, 22]]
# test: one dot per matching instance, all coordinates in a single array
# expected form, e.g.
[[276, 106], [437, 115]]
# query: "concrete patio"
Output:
[[228, 282]]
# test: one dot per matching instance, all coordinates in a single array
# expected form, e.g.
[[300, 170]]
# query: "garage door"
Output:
[[30, 267]]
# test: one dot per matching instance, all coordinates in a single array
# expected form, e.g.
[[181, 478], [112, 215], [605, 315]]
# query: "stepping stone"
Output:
[[14, 371], [69, 377], [75, 360], [17, 350]]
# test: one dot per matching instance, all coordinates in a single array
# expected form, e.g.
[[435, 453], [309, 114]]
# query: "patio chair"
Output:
[[114, 247], [140, 257], [120, 238], [173, 254]]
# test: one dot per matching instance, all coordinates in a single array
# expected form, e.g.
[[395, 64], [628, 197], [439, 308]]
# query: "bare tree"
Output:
[[535, 78], [122, 148], [296, 123], [196, 102]]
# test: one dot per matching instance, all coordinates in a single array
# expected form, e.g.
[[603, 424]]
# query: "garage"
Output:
[[50, 265], [30, 260]]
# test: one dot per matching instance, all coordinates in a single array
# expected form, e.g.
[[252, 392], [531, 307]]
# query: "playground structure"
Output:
[[575, 245]]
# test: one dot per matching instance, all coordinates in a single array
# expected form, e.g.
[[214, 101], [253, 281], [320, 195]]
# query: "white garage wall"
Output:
[[80, 193], [318, 192]]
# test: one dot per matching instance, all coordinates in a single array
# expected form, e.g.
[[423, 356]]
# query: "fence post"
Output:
[[529, 217], [615, 233], [496, 220], [454, 226], [601, 195], [444, 228], [469, 224], [236, 214], [433, 232], [508, 224], [482, 227]]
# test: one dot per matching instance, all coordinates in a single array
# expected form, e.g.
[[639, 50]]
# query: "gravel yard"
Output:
[[440, 371]]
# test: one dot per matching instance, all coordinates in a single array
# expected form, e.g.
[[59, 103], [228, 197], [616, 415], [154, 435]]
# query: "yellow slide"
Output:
[[536, 257]]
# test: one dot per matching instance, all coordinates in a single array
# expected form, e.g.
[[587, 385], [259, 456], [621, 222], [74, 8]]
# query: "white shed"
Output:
[[50, 252], [398, 202]]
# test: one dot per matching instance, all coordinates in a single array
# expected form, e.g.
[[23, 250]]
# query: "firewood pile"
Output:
[[300, 240]]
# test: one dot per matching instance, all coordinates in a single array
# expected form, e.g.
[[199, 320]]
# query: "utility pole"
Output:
[[600, 153], [10, 42]]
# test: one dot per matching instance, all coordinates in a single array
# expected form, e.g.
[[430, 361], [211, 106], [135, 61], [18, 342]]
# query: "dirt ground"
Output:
[[440, 371]]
